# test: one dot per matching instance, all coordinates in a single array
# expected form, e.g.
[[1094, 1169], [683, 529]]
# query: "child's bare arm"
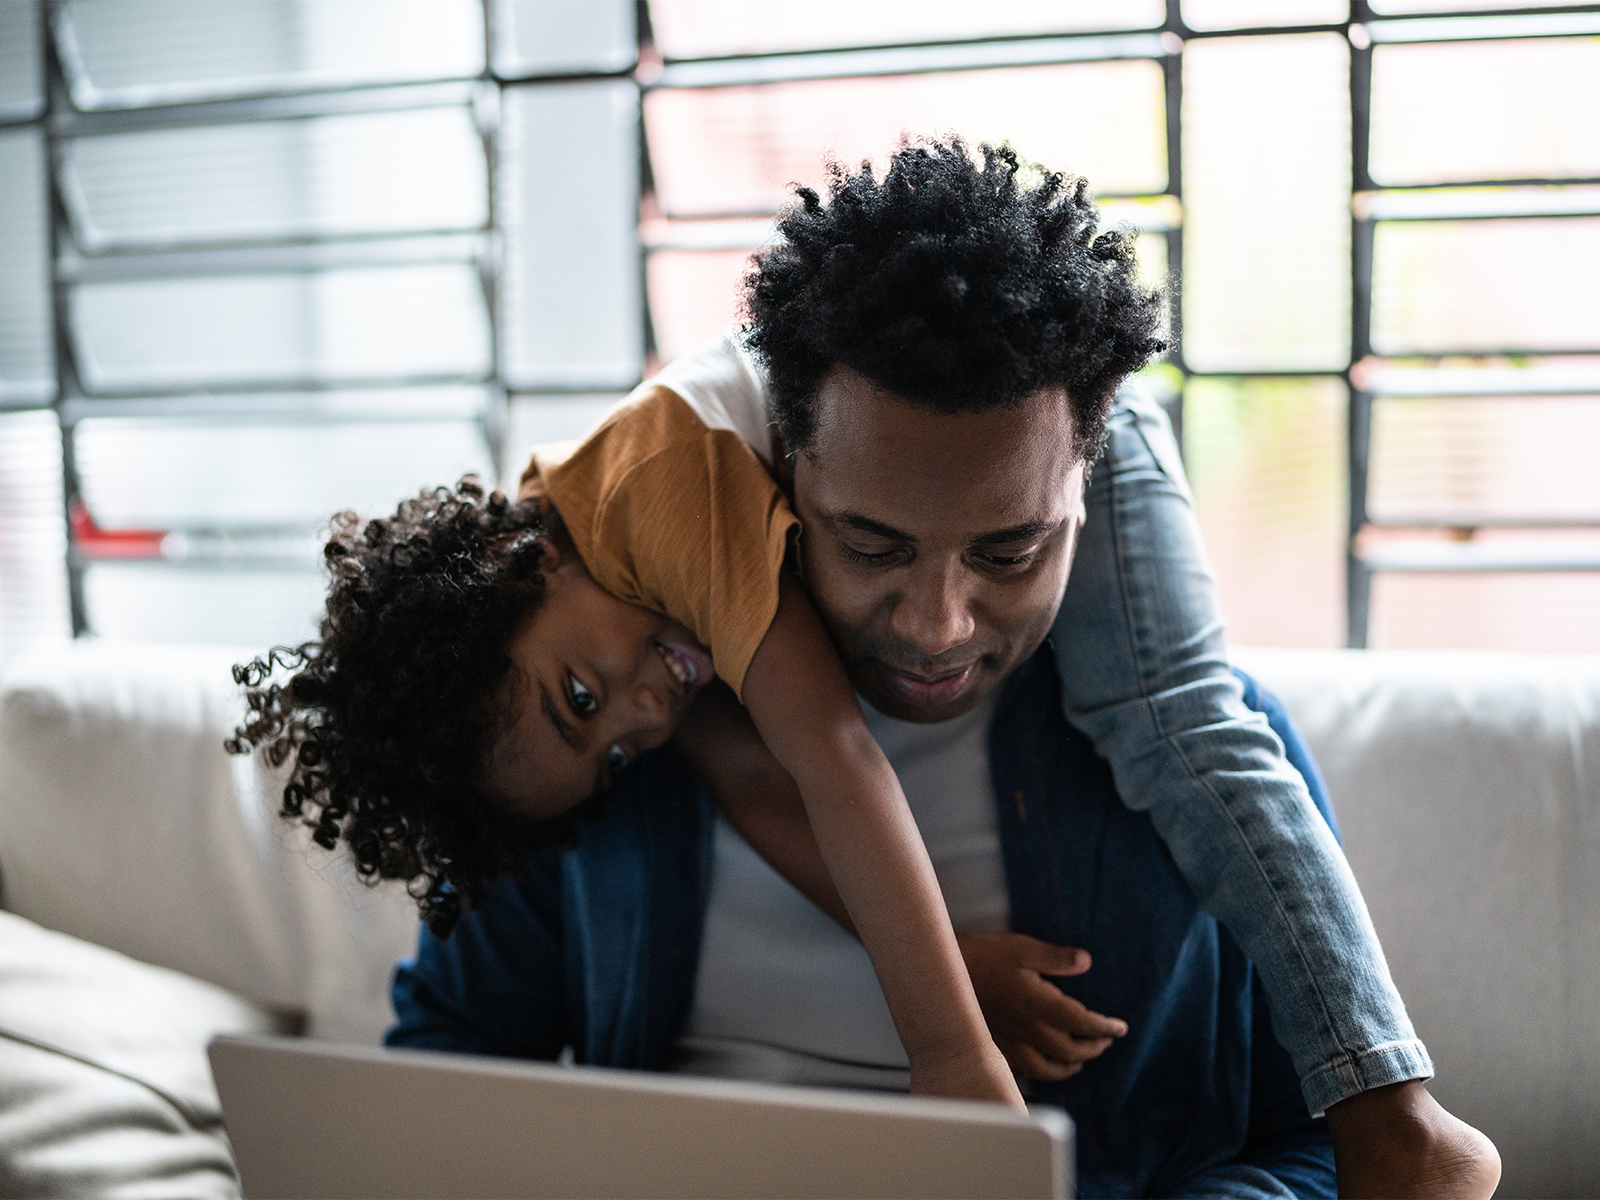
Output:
[[756, 795], [1043, 1034], [807, 714]]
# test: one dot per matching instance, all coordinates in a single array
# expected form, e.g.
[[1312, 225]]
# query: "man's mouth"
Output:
[[923, 689], [687, 662]]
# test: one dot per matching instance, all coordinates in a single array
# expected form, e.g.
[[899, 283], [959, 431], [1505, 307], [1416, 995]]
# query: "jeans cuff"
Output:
[[1394, 1062]]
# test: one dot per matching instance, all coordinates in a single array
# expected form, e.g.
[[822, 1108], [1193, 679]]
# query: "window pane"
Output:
[[738, 149], [21, 82], [1505, 457], [330, 326], [694, 296], [1532, 612], [1466, 285], [536, 420], [139, 52], [27, 359], [723, 28], [1266, 458], [536, 37], [1266, 235], [569, 202], [389, 172], [1450, 112], [33, 539], [1245, 14], [163, 602], [156, 473]]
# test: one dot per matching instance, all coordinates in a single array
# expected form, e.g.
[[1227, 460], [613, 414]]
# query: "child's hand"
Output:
[[1044, 1034], [967, 1073]]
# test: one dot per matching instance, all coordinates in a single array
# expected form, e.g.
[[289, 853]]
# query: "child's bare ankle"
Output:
[[1397, 1141]]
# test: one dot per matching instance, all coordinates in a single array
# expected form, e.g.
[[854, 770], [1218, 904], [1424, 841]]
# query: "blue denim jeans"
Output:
[[1145, 674]]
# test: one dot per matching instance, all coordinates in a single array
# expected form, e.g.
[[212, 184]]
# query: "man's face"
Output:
[[936, 545]]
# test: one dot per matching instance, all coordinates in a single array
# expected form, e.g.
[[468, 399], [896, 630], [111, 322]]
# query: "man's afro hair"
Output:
[[957, 284]]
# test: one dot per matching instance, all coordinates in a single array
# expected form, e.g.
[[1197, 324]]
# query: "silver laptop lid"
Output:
[[313, 1119]]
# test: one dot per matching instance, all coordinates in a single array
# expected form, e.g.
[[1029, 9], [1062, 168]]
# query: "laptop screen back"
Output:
[[312, 1119]]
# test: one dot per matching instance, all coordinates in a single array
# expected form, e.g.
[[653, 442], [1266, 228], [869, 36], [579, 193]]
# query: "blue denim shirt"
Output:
[[596, 948]]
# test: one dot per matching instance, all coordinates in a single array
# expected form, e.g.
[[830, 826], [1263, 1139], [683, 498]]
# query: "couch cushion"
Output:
[[104, 1085], [123, 822], [1468, 786]]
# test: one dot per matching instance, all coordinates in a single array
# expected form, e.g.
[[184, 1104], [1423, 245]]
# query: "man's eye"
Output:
[[583, 701], [1004, 562], [616, 758], [851, 554]]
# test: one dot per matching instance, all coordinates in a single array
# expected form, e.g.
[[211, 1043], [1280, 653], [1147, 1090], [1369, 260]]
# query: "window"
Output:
[[265, 260]]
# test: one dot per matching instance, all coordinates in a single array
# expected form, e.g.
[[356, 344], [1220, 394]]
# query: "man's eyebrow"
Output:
[[864, 524], [1026, 532]]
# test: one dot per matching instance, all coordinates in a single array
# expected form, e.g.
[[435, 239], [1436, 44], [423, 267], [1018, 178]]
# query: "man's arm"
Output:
[[494, 986]]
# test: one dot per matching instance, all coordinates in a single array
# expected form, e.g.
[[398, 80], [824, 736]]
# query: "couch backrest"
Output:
[[1468, 787], [123, 822]]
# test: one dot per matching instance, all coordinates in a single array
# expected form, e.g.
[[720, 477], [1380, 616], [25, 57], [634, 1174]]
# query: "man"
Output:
[[941, 348]]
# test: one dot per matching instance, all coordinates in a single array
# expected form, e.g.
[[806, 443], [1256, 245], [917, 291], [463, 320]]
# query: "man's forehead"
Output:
[[878, 454]]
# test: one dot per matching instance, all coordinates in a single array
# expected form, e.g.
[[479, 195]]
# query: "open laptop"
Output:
[[308, 1118]]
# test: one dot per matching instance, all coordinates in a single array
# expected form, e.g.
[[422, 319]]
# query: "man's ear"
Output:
[[782, 465]]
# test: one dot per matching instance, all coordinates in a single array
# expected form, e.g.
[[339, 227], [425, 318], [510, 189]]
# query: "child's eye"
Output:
[[583, 701], [616, 758]]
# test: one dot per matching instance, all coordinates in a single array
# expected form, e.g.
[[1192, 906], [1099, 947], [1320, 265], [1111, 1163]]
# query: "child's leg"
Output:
[[1145, 674]]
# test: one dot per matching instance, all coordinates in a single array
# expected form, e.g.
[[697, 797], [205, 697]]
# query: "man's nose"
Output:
[[934, 613]]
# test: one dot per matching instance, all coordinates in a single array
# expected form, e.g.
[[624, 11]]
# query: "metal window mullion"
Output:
[[1358, 576], [1463, 184], [67, 385], [496, 417], [1172, 75]]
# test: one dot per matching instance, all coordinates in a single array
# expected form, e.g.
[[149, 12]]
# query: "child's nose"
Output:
[[650, 706]]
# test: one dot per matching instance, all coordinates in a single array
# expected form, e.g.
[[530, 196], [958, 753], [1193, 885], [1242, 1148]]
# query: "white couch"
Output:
[[124, 825], [153, 898]]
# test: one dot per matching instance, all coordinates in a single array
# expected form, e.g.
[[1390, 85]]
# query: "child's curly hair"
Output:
[[389, 715]]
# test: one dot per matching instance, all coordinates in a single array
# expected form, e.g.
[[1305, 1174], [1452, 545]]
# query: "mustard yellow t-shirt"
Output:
[[676, 517]]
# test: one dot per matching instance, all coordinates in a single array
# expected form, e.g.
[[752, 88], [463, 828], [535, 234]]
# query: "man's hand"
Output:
[[1044, 1034]]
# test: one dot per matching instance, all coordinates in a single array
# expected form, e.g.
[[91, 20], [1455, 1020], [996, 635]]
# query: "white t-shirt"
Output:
[[786, 996]]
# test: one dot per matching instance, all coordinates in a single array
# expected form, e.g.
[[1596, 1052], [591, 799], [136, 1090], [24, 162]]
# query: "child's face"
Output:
[[597, 682]]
